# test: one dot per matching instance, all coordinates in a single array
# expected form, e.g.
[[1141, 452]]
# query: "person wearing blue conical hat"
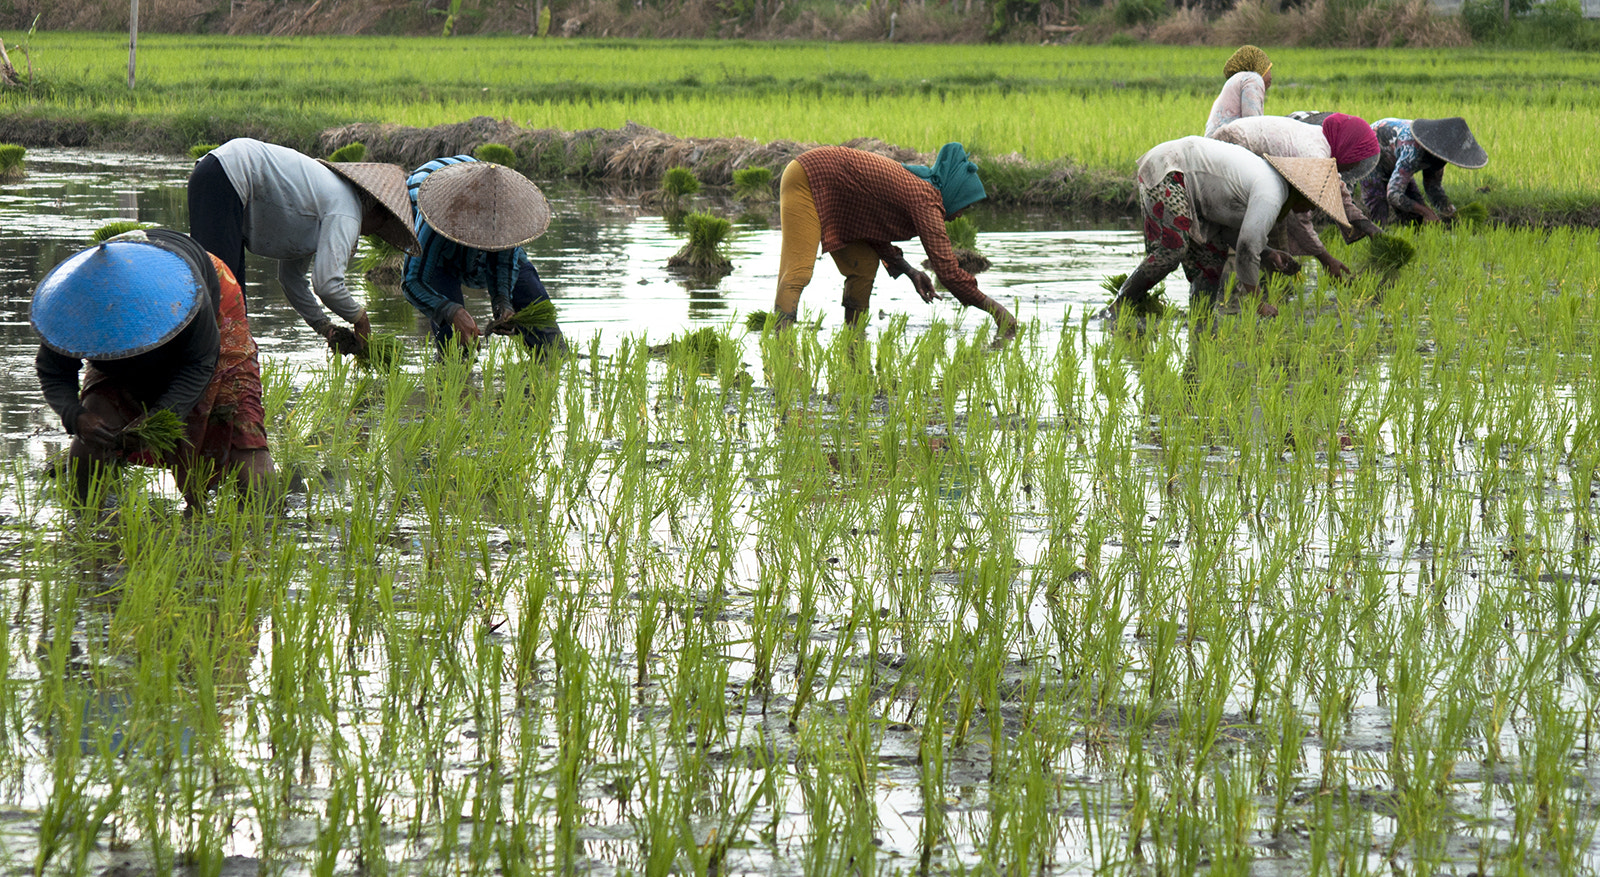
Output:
[[162, 325], [854, 204]]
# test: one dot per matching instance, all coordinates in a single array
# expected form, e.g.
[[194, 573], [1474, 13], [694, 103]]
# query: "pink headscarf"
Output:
[[1350, 137]]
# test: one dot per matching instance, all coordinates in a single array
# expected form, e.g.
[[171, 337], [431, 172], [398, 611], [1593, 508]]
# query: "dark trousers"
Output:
[[216, 215], [527, 290]]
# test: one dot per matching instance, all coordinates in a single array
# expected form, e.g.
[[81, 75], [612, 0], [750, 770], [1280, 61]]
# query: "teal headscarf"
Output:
[[955, 176]]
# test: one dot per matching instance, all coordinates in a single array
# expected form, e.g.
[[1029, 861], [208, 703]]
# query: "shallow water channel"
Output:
[[737, 641]]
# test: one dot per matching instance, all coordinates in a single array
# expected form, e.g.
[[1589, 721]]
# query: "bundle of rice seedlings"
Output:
[[356, 151], [112, 229], [963, 233], [539, 315], [1472, 214], [678, 182], [498, 153], [1387, 253], [158, 431], [11, 161], [703, 344], [705, 253], [199, 150], [381, 261], [756, 321], [753, 184], [381, 352]]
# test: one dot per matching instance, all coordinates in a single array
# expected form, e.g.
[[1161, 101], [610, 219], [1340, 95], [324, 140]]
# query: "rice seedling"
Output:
[[499, 153], [706, 252], [158, 431], [753, 184], [112, 229], [679, 183], [11, 164], [1472, 213], [350, 152], [1388, 253], [201, 150]]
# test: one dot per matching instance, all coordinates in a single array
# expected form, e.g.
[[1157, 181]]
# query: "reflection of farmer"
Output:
[[1416, 146], [1249, 75], [305, 213], [1345, 139], [162, 324], [472, 218], [1202, 196], [854, 203]]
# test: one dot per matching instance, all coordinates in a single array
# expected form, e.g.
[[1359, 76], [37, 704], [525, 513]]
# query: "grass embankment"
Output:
[[1321, 586], [1076, 117]]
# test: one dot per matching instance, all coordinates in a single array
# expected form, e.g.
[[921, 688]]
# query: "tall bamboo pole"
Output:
[[133, 38]]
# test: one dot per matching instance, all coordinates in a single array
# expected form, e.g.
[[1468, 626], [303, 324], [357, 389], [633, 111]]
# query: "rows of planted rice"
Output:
[[1319, 590]]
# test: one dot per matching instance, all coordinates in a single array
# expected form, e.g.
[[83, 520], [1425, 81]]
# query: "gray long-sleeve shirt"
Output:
[[303, 215], [1236, 196]]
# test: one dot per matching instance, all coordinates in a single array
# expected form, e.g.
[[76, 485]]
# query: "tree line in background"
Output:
[[1335, 23]]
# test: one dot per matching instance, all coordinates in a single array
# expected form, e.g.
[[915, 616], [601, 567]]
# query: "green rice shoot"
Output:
[[1473, 214], [679, 182], [201, 150], [539, 315], [112, 229], [1387, 253], [159, 431], [381, 352], [496, 153], [963, 233], [11, 160], [706, 251], [752, 184], [356, 151]]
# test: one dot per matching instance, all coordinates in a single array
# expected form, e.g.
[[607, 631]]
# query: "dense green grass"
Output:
[[1097, 106]]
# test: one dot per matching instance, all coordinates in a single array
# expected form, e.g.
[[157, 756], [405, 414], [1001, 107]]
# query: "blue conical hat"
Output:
[[115, 300]]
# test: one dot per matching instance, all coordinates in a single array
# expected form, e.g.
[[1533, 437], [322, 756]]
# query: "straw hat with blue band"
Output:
[[483, 205], [115, 300]]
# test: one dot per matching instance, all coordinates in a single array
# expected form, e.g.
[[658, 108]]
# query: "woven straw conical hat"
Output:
[[1315, 178], [387, 184], [1451, 140], [483, 205]]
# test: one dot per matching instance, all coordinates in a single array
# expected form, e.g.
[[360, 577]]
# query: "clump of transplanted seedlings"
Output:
[[11, 167], [964, 241], [356, 151], [201, 150], [705, 255], [1475, 213], [112, 229], [678, 183], [752, 184], [497, 153]]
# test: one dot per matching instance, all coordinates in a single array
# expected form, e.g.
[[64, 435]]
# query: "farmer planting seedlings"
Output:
[[162, 324], [1201, 197], [1244, 94], [305, 213], [472, 218], [854, 204], [1418, 146], [1348, 140]]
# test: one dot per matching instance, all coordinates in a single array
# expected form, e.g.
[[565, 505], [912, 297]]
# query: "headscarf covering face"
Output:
[[1350, 138], [955, 176], [1247, 59]]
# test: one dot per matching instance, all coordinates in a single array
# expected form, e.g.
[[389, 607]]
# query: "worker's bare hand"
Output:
[[1427, 213], [1279, 261], [924, 285], [97, 432], [466, 327], [363, 328], [1335, 268]]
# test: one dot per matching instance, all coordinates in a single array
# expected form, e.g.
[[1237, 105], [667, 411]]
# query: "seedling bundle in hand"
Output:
[[158, 431]]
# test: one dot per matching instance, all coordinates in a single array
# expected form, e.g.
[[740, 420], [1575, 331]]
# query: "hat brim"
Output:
[[483, 205], [115, 300], [1315, 178], [1358, 171], [386, 183], [1451, 140]]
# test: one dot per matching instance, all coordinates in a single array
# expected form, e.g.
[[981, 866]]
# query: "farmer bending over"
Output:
[[306, 213], [162, 324], [472, 218], [1345, 139], [1244, 94], [854, 203], [1202, 196], [1410, 147]]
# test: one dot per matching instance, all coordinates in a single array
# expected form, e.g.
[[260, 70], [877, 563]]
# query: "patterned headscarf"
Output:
[[955, 176], [1350, 137], [1248, 58]]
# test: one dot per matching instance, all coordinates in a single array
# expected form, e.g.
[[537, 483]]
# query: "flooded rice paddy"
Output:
[[1314, 595]]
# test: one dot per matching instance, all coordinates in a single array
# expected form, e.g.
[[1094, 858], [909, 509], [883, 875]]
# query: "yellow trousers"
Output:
[[802, 236]]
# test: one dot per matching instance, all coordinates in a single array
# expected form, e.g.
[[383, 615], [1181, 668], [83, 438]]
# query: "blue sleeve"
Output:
[[421, 275]]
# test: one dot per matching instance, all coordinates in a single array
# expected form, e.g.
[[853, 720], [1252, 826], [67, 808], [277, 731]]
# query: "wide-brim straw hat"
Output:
[[115, 300], [483, 205], [1315, 178], [386, 183], [1451, 140]]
